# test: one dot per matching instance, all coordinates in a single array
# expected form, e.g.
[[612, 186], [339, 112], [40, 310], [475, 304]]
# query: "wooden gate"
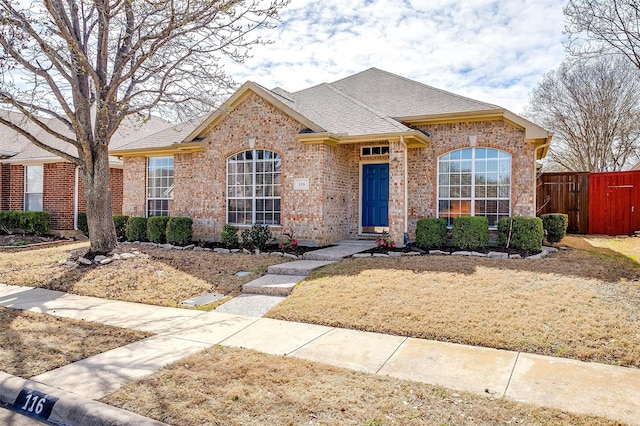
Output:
[[614, 203], [565, 193]]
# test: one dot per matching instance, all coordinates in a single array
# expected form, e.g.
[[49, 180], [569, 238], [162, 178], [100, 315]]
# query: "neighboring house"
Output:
[[369, 153], [35, 179]]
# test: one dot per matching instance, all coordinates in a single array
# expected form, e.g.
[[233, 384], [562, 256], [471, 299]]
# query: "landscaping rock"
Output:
[[178, 248], [221, 250], [99, 258], [290, 256], [535, 257], [166, 246], [411, 253], [380, 255], [125, 256], [136, 252], [395, 254], [515, 256], [70, 264], [106, 261], [245, 251], [549, 249], [362, 255], [198, 249], [189, 247], [243, 273], [116, 256], [478, 254], [439, 252], [497, 255], [235, 250], [277, 254], [207, 249], [461, 253], [147, 244], [85, 261]]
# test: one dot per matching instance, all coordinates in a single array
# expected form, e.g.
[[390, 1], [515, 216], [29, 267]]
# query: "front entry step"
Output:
[[275, 285], [298, 267]]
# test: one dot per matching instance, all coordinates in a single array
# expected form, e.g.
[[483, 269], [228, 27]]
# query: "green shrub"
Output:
[[136, 229], [471, 232], [256, 237], [29, 222], [229, 236], [120, 222], [555, 226], [179, 230], [157, 229], [526, 232], [431, 232], [83, 224]]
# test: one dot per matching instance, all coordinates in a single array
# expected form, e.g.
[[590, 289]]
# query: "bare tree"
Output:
[[593, 107], [89, 64], [604, 25]]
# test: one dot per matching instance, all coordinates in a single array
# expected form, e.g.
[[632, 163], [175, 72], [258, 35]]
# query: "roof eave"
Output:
[[413, 138], [176, 148]]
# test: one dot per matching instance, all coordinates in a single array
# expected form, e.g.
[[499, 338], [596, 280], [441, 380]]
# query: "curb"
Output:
[[65, 408]]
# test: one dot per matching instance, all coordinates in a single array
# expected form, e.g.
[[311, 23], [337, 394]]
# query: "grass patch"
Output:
[[234, 386], [157, 276], [574, 304], [31, 343]]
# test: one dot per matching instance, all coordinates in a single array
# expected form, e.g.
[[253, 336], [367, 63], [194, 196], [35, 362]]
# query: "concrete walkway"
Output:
[[575, 386]]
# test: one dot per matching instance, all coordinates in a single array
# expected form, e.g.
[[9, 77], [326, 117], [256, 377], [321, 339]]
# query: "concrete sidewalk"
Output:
[[579, 387]]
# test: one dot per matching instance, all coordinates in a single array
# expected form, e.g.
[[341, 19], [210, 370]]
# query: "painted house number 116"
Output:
[[34, 403]]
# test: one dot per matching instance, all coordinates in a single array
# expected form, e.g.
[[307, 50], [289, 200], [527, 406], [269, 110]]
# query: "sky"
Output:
[[493, 51]]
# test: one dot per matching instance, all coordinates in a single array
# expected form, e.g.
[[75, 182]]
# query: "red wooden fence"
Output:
[[614, 203]]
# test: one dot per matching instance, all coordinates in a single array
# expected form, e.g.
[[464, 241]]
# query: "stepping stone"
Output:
[[297, 267], [275, 285], [252, 305]]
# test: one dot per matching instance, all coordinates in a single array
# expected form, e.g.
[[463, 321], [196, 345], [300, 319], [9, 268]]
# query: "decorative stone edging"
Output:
[[492, 254]]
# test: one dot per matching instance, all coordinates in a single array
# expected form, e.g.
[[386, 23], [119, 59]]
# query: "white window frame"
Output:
[[39, 190], [167, 190], [274, 188], [367, 151], [474, 198]]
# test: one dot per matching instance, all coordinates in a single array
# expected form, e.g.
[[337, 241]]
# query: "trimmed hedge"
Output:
[[526, 232], [157, 229], [431, 232], [83, 223], [470, 232], [120, 222], [179, 230], [136, 229], [229, 236], [555, 226], [29, 222]]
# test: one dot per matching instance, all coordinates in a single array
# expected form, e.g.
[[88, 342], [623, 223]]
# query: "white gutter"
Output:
[[75, 200], [406, 187]]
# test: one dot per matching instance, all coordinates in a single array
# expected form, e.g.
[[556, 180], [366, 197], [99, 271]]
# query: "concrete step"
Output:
[[341, 250], [297, 267], [275, 285], [251, 305]]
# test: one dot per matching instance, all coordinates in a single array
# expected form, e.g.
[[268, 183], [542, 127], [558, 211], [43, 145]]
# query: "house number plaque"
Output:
[[301, 184], [34, 403]]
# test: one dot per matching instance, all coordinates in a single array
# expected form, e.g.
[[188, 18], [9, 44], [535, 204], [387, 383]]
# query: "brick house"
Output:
[[34, 179], [369, 153]]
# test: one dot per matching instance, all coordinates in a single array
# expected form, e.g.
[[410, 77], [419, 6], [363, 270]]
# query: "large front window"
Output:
[[33, 184], [474, 182], [253, 187], [159, 185]]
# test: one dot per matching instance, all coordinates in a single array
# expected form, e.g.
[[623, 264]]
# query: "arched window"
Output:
[[253, 187], [474, 182]]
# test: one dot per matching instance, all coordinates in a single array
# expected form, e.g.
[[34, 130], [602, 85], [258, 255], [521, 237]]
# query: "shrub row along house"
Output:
[[33, 179], [369, 153]]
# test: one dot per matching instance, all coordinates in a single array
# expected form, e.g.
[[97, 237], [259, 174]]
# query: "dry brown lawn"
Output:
[[579, 303], [226, 386], [31, 343], [157, 276]]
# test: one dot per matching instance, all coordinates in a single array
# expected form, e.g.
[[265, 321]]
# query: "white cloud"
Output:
[[490, 50]]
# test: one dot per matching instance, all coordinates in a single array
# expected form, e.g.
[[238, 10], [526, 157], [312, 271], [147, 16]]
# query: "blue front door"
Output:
[[375, 195]]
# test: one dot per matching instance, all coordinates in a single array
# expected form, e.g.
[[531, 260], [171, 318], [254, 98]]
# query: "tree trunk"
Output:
[[102, 232]]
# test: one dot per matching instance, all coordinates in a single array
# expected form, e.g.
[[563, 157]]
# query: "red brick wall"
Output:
[[116, 187], [5, 186], [17, 187], [58, 194]]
